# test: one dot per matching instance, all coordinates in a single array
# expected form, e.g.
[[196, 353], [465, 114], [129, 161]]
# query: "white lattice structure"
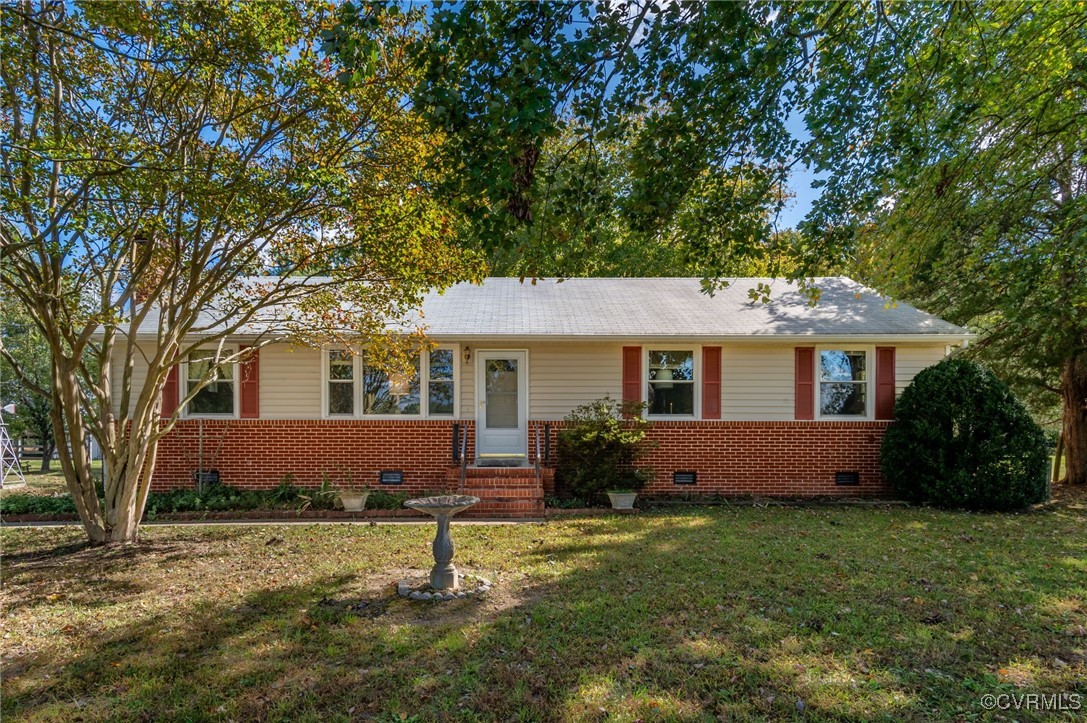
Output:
[[11, 473]]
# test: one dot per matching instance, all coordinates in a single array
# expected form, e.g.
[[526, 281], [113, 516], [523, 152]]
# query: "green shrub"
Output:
[[214, 498], [599, 448], [382, 500], [961, 439], [24, 504], [324, 497], [285, 493], [564, 503]]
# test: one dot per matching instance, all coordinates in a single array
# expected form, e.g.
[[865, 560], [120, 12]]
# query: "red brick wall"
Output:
[[257, 453], [733, 458], [783, 459], [768, 458]]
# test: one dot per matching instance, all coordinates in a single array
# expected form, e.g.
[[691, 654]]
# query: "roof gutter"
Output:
[[963, 338]]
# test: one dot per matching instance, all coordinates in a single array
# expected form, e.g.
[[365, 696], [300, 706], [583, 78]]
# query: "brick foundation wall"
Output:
[[257, 453], [781, 459], [785, 459]]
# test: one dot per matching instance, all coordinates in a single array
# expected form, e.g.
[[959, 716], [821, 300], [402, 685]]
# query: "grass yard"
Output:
[[46, 483], [722, 612]]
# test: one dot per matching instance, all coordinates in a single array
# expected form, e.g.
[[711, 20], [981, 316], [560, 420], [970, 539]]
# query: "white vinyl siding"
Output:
[[563, 376], [467, 381], [756, 379], [911, 359], [139, 375], [757, 383], [290, 382]]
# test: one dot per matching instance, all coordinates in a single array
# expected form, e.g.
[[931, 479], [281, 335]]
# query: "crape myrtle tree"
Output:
[[950, 138], [156, 157]]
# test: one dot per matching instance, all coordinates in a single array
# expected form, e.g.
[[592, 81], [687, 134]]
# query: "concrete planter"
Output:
[[622, 500], [354, 501]]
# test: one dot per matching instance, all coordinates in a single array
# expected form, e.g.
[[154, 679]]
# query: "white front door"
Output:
[[502, 406]]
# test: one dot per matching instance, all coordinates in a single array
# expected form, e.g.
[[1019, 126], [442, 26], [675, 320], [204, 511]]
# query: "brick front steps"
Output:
[[503, 492]]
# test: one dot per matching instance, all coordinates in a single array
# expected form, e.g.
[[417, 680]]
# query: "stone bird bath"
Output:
[[444, 575]]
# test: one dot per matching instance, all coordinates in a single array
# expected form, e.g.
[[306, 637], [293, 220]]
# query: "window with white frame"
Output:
[[440, 382], [217, 398], [671, 382], [341, 383], [353, 388], [843, 383]]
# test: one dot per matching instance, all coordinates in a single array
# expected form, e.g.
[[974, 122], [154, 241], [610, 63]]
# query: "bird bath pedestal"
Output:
[[444, 575]]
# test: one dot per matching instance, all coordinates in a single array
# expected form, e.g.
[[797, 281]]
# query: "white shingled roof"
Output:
[[625, 308], [671, 307]]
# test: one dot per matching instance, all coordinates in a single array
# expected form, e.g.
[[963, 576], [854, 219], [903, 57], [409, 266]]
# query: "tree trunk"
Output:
[[48, 447], [74, 461], [1074, 398], [1056, 477]]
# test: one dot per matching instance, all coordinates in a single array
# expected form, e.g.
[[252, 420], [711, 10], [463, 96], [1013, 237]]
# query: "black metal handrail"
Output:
[[538, 480], [463, 459]]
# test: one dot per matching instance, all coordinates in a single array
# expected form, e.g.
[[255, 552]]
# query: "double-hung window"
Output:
[[354, 388], [218, 396], [671, 383], [843, 382], [341, 383], [441, 386]]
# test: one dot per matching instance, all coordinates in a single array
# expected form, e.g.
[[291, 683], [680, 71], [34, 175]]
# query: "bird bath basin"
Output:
[[444, 575]]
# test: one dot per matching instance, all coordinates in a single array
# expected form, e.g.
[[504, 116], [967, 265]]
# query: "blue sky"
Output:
[[799, 182]]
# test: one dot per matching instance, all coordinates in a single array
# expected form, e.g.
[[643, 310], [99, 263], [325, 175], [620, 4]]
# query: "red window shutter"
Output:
[[885, 382], [632, 374], [711, 382], [805, 382], [169, 393], [250, 381]]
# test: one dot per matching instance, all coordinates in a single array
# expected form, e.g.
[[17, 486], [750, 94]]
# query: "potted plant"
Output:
[[622, 498], [352, 499]]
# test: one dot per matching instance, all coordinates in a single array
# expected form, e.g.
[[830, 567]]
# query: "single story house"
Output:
[[746, 398]]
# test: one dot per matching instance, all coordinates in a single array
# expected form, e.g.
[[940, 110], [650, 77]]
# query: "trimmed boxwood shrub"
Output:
[[962, 439], [599, 448]]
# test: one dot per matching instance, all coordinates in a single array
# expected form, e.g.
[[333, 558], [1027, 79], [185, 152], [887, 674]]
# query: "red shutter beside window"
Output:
[[885, 382], [250, 389], [632, 374], [805, 382], [711, 382], [169, 393]]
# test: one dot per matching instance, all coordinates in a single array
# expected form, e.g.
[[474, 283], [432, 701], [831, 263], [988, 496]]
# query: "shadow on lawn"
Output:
[[853, 614], [90, 576]]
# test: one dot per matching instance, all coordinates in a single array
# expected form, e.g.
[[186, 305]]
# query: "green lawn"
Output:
[[723, 612], [46, 483]]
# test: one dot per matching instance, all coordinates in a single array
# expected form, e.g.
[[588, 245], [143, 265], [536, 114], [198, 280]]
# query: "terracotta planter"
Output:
[[622, 500], [354, 501]]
